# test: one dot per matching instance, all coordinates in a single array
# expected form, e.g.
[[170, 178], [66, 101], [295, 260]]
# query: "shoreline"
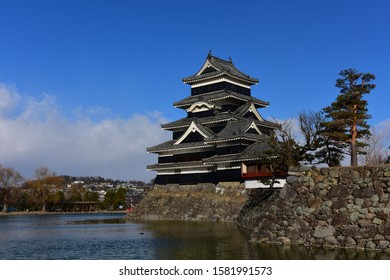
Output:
[[19, 213]]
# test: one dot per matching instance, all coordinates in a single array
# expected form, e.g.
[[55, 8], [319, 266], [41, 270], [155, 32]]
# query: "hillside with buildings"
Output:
[[75, 194]]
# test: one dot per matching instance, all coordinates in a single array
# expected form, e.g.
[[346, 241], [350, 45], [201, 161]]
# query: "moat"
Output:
[[107, 236]]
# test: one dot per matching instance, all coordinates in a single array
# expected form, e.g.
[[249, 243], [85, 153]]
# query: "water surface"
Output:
[[107, 236]]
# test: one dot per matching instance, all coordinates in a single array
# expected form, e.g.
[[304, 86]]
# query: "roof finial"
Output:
[[209, 53], [230, 59]]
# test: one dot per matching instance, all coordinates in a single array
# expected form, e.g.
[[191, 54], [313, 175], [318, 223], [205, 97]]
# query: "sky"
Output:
[[85, 85]]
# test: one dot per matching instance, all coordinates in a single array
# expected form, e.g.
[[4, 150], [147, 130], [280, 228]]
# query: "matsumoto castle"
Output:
[[222, 138]]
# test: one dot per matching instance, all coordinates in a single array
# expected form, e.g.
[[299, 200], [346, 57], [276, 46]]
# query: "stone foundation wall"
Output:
[[202, 202], [330, 207]]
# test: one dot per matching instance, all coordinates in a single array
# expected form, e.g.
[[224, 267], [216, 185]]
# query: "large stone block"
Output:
[[338, 191], [269, 225], [284, 240], [349, 242], [382, 214], [324, 231], [334, 173], [292, 179], [370, 245], [350, 230], [319, 179], [340, 203], [366, 192], [377, 221], [292, 233], [287, 193], [340, 219], [314, 201], [383, 244]]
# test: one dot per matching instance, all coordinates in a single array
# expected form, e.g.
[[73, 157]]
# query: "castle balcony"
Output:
[[257, 174]]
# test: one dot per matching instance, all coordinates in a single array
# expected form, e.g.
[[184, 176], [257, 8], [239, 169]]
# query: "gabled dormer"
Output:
[[207, 68], [249, 110], [252, 128], [196, 132]]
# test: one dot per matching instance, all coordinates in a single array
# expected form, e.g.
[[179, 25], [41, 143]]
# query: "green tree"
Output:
[[9, 178], [346, 118], [120, 198], [109, 199], [114, 198], [330, 152], [91, 196]]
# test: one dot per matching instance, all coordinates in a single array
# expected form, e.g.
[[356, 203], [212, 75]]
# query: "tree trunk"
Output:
[[43, 203], [5, 203], [354, 161], [354, 138]]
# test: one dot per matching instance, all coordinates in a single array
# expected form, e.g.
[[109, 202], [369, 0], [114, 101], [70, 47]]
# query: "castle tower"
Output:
[[223, 137]]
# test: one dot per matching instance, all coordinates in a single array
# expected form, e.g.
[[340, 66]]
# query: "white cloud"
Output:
[[8, 98], [383, 128], [41, 136]]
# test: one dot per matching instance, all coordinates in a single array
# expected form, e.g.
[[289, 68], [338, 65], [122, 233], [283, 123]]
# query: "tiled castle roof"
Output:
[[255, 151], [218, 95], [219, 67], [219, 117], [184, 122]]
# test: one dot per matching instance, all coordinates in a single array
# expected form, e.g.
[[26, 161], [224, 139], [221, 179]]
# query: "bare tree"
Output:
[[284, 145], [9, 178], [45, 181], [375, 151], [306, 142], [310, 128]]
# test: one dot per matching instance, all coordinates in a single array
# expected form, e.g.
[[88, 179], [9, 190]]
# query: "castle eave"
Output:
[[177, 165], [179, 147], [218, 96]]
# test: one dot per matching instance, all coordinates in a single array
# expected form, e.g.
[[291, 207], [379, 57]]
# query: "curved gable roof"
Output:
[[249, 107], [195, 127], [214, 67]]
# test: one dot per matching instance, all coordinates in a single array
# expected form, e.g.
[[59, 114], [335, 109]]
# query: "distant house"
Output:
[[223, 137]]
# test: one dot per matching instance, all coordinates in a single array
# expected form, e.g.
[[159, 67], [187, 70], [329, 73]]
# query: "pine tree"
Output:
[[347, 116]]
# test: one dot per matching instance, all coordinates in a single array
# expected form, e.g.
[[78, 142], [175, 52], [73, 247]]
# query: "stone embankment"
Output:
[[330, 207], [202, 202]]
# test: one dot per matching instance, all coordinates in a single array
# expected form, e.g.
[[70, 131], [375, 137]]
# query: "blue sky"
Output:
[[84, 85]]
